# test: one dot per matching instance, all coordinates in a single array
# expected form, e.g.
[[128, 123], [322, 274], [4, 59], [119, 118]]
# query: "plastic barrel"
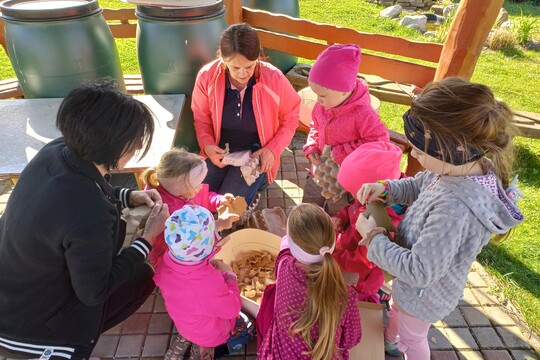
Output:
[[173, 43], [281, 60], [54, 46]]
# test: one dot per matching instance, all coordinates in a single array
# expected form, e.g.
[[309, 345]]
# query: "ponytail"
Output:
[[149, 178]]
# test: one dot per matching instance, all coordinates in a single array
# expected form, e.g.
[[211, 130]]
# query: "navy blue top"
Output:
[[239, 128]]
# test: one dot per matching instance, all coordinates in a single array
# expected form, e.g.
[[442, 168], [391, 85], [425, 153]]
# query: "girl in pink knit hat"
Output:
[[369, 163], [342, 118]]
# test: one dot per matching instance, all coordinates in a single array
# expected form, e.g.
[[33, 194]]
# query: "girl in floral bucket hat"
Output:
[[201, 293]]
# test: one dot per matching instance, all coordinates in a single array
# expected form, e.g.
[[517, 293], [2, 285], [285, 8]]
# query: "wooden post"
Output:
[[468, 32], [234, 11], [3, 35]]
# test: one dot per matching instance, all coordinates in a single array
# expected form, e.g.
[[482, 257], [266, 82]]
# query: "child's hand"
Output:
[[338, 224], [315, 158], [220, 265], [227, 199], [364, 225], [369, 192], [226, 221]]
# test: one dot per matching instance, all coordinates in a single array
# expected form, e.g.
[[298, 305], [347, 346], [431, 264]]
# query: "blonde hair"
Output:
[[311, 229], [174, 163], [458, 112]]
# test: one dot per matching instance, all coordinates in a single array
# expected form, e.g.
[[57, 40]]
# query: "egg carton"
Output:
[[325, 175]]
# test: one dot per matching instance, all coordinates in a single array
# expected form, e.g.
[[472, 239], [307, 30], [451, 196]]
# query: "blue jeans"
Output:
[[229, 180]]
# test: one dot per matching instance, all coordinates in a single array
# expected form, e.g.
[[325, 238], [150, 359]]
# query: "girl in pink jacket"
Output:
[[179, 180], [246, 103], [342, 117], [201, 294]]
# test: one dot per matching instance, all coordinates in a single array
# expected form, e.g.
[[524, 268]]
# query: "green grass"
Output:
[[514, 76]]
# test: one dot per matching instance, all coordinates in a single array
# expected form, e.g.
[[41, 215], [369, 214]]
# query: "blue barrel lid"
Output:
[[46, 10], [179, 13]]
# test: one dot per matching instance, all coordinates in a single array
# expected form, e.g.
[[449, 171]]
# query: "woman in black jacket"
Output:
[[63, 279]]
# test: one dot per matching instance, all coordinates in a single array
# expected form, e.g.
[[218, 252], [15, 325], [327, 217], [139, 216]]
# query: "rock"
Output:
[[434, 18], [501, 18], [391, 12], [450, 9], [488, 39], [431, 34], [508, 25], [386, 2], [532, 45], [437, 9], [415, 21]]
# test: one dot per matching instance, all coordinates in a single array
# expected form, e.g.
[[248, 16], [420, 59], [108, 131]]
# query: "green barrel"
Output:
[[56, 45], [281, 60], [173, 44]]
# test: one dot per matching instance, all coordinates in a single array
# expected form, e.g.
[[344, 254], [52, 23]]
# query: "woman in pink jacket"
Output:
[[342, 117], [246, 103], [201, 294]]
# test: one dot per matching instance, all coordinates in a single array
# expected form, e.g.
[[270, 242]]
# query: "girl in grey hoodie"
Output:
[[461, 135]]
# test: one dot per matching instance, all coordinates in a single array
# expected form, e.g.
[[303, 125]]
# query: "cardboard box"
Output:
[[371, 346], [245, 240]]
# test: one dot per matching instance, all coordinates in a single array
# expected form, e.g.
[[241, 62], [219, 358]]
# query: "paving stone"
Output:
[[512, 337], [251, 348], [115, 330], [106, 346], [287, 160], [159, 305], [130, 345], [455, 319], [475, 316], [524, 355], [443, 355], [136, 324], [301, 174], [498, 316], [275, 193], [156, 345], [461, 338], [438, 340], [251, 357], [470, 355], [292, 193], [483, 297], [273, 202], [160, 323], [475, 280], [291, 166], [468, 298], [496, 355], [487, 338]]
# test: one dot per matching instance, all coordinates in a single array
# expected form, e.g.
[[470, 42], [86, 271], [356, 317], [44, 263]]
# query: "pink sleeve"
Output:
[[351, 332], [214, 201], [369, 128], [289, 117], [228, 303], [202, 115]]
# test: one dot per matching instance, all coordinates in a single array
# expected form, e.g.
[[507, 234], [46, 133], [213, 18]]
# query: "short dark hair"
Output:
[[101, 124], [240, 39]]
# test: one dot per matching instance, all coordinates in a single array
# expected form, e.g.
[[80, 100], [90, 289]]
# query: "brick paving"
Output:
[[480, 327]]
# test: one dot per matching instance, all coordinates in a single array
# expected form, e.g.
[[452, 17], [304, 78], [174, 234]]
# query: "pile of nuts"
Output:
[[255, 270]]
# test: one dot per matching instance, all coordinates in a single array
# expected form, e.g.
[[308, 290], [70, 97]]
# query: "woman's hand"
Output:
[[363, 226], [156, 222], [220, 265], [215, 154], [144, 197], [266, 159], [370, 192], [315, 158], [226, 221]]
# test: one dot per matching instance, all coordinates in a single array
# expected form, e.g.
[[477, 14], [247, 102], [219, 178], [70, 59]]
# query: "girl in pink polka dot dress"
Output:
[[315, 315]]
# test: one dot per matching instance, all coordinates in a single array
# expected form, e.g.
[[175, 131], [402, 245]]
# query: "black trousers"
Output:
[[122, 303]]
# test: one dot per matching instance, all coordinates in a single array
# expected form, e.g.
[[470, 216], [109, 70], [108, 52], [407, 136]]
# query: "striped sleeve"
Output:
[[123, 194], [142, 246]]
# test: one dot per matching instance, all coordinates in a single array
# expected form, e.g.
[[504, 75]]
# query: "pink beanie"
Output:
[[372, 161], [336, 67]]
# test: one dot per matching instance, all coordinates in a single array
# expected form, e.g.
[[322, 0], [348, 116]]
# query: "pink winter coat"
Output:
[[205, 198], [202, 302], [346, 126], [275, 103]]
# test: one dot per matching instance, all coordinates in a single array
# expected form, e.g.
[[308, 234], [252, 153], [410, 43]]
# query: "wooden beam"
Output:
[[121, 15], [391, 69], [3, 35], [468, 32], [336, 34], [234, 13], [122, 31]]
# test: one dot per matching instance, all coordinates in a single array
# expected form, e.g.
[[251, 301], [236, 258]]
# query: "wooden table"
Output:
[[26, 125]]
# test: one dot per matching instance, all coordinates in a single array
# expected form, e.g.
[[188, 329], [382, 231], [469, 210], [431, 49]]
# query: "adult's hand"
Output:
[[215, 154], [266, 158], [144, 197], [156, 222]]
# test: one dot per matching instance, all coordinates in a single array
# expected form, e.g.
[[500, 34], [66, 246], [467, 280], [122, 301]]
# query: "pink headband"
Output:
[[306, 258]]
